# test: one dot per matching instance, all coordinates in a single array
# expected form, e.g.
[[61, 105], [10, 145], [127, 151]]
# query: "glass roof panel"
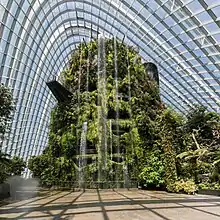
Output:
[[181, 36]]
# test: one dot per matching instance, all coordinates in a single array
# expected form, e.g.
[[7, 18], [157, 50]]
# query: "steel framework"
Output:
[[37, 37]]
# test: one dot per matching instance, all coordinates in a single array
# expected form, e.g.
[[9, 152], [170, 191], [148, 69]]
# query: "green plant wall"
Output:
[[138, 104]]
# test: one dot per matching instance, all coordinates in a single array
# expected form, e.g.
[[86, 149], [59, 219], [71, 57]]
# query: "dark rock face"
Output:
[[152, 70]]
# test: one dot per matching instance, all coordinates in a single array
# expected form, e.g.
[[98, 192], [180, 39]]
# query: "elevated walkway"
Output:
[[59, 91]]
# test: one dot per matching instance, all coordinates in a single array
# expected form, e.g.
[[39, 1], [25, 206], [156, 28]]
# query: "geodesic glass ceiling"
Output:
[[37, 36]]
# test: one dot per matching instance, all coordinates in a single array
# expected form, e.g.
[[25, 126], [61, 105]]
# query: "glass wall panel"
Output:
[[181, 37]]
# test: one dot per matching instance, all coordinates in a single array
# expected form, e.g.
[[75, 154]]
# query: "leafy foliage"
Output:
[[168, 123], [153, 172], [6, 108], [67, 118], [10, 166], [212, 186], [4, 164], [159, 146], [188, 187], [202, 131], [17, 166]]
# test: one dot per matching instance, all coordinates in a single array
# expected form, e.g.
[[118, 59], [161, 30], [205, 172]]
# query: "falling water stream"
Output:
[[82, 158], [110, 143], [80, 176], [87, 75], [102, 144], [102, 108], [130, 113], [110, 134], [117, 109]]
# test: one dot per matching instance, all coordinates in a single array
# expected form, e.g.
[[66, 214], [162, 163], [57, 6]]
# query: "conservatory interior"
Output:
[[110, 109]]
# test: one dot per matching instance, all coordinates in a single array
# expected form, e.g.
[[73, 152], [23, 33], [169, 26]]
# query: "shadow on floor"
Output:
[[124, 200]]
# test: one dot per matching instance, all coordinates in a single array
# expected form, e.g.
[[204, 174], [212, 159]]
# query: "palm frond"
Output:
[[184, 154], [216, 162]]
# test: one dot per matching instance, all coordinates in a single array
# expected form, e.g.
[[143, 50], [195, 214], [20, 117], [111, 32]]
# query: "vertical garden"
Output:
[[116, 131]]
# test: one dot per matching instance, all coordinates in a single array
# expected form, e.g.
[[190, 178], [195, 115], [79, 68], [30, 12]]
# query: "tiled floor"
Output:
[[114, 205]]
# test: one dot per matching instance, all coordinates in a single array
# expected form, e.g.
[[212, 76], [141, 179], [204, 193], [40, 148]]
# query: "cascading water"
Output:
[[87, 75], [110, 146], [117, 108], [80, 176], [126, 174], [82, 159], [111, 137], [102, 108]]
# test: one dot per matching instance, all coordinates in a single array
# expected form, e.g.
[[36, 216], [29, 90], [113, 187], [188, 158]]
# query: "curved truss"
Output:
[[37, 36]]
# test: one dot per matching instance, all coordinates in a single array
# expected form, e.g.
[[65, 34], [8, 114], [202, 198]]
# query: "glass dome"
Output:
[[182, 37]]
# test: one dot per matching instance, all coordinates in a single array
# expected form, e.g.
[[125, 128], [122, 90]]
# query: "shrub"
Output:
[[212, 186], [152, 174], [188, 187]]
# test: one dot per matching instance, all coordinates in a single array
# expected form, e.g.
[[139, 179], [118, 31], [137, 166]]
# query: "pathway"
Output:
[[114, 205]]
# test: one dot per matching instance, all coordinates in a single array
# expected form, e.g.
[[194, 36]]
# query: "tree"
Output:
[[10, 166], [206, 124], [202, 139], [6, 108], [17, 166], [194, 157], [37, 164], [4, 159], [4, 164]]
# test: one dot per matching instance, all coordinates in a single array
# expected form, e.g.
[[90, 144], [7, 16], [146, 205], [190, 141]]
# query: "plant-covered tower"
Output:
[[98, 129]]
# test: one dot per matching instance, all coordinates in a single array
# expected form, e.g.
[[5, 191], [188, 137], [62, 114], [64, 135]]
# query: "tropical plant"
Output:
[[4, 164], [201, 129], [194, 157], [6, 108], [4, 159], [206, 124], [10, 166], [147, 125], [212, 186], [153, 172], [168, 123], [17, 166], [187, 186]]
